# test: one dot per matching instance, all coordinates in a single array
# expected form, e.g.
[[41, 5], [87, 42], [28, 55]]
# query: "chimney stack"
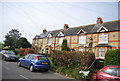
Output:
[[99, 20], [66, 26], [44, 31]]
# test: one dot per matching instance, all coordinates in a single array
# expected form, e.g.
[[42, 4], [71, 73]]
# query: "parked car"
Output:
[[8, 55], [34, 62], [109, 73]]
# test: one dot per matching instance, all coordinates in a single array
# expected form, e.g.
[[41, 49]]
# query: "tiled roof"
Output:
[[93, 28]]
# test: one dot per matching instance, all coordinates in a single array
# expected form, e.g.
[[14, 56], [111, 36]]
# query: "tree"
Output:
[[22, 43], [11, 38], [65, 46], [1, 46]]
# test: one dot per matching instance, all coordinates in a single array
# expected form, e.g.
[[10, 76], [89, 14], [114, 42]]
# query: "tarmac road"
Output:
[[11, 72]]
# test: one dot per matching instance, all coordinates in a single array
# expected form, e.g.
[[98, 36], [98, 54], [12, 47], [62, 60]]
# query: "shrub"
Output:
[[29, 51], [25, 51], [65, 46], [112, 57], [73, 59], [21, 51]]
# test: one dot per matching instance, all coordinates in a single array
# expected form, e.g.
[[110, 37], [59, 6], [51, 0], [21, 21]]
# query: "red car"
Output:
[[109, 73]]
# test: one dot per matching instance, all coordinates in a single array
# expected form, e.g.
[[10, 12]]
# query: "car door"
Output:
[[23, 60], [28, 61]]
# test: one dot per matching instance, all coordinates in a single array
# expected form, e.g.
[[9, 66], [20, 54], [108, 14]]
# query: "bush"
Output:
[[29, 51], [73, 59], [23, 52], [112, 57]]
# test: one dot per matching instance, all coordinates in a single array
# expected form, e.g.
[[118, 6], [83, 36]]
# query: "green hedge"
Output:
[[112, 57]]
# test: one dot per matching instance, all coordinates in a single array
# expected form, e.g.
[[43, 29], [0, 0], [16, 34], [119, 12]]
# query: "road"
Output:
[[11, 72]]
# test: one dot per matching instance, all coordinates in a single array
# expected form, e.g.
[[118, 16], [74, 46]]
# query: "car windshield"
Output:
[[42, 58]]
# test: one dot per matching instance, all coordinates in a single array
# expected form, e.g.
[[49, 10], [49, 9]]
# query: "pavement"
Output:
[[11, 72]]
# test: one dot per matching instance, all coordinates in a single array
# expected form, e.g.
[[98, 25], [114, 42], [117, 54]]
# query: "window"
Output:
[[49, 40], [60, 40], [26, 57], [103, 38], [82, 39], [101, 52], [81, 49]]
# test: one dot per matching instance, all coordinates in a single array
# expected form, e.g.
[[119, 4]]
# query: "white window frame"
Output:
[[103, 38], [60, 40], [49, 41], [82, 40], [101, 52]]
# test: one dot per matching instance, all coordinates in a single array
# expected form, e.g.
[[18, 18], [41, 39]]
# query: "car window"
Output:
[[31, 57], [113, 71], [42, 58], [26, 57], [3, 51]]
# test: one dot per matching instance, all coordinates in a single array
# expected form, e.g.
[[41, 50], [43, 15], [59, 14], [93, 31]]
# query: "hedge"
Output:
[[112, 57], [74, 59], [24, 51]]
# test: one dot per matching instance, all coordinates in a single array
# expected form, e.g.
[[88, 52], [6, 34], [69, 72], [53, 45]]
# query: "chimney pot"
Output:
[[44, 30], [99, 20], [66, 26]]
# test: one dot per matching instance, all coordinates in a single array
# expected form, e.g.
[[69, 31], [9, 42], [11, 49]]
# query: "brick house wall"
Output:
[[42, 46]]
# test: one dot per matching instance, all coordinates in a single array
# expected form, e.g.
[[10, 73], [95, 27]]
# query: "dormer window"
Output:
[[60, 34], [81, 32], [102, 29], [49, 35]]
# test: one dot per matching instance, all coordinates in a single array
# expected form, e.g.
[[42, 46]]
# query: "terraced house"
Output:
[[100, 37]]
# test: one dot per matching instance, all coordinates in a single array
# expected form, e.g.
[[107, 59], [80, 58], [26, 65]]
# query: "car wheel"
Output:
[[31, 68], [19, 64], [4, 58]]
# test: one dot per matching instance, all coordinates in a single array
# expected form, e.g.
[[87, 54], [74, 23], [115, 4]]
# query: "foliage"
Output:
[[21, 52], [11, 38], [73, 59], [1, 46], [23, 43], [112, 57], [65, 46], [29, 51], [71, 63], [24, 51]]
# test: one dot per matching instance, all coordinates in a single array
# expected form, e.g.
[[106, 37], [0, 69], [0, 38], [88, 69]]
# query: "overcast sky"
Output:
[[31, 17]]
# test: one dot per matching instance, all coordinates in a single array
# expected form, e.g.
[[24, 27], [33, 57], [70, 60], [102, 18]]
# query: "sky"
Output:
[[31, 17]]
